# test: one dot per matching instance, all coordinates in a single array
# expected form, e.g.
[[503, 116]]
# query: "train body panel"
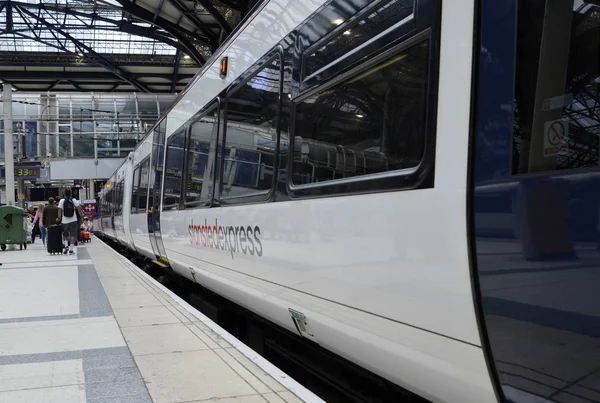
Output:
[[123, 180], [138, 217], [359, 267], [387, 275]]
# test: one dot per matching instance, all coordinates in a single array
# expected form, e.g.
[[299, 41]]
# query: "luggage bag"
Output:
[[55, 239]]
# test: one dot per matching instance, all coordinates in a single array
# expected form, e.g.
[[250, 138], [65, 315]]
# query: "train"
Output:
[[410, 185]]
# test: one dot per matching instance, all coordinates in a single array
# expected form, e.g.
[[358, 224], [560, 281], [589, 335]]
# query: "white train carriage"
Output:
[[319, 172]]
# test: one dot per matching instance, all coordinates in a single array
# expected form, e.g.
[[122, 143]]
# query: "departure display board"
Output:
[[30, 171], [27, 172]]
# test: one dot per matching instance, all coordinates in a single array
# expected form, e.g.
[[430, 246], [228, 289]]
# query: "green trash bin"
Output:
[[12, 227]]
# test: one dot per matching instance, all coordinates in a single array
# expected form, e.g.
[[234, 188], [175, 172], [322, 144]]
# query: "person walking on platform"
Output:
[[67, 213], [50, 214], [39, 221]]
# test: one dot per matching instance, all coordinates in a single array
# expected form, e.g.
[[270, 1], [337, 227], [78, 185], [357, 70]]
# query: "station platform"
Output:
[[94, 328]]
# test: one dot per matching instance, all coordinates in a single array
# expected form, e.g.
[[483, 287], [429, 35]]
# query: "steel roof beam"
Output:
[[175, 71], [171, 28], [147, 32], [197, 23], [45, 76], [216, 15], [90, 53]]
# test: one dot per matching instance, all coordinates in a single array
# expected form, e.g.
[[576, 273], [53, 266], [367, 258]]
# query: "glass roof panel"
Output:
[[32, 34]]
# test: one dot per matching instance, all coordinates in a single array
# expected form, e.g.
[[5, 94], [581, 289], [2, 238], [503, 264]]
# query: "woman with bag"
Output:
[[38, 225]]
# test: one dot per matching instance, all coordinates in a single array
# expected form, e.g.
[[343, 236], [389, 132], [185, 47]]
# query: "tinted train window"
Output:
[[251, 134], [119, 199], [135, 190], [144, 184], [174, 171], [371, 123], [381, 17], [201, 159], [556, 124]]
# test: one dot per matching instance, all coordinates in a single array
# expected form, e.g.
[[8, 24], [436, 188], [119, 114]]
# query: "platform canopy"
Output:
[[111, 45]]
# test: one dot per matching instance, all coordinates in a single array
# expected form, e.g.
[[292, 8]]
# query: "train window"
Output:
[[144, 183], [135, 190], [371, 123], [201, 159], [378, 17], [119, 199], [174, 170], [251, 133], [555, 111]]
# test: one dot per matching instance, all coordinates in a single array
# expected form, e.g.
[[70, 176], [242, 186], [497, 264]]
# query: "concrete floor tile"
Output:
[[273, 398], [149, 315], [115, 389], [25, 382], [59, 335], [289, 397], [64, 394], [133, 301], [120, 282], [139, 398], [39, 292], [109, 362], [259, 386], [161, 339], [237, 399], [124, 290], [167, 377], [210, 343], [257, 371]]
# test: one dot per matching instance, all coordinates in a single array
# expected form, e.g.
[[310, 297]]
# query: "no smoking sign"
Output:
[[556, 136]]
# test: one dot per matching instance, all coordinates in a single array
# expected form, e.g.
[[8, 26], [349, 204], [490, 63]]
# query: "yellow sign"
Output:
[[21, 196]]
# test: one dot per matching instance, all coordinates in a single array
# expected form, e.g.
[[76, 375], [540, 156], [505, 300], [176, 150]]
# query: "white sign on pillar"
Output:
[[556, 137]]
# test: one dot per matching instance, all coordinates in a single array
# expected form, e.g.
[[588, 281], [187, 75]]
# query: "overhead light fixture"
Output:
[[338, 21], [347, 32], [186, 57], [80, 54], [360, 116]]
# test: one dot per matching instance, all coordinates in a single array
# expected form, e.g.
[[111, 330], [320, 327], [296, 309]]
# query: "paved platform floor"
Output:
[[94, 328]]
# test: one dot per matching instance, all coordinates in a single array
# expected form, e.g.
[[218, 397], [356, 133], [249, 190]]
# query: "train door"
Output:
[[155, 191], [536, 197]]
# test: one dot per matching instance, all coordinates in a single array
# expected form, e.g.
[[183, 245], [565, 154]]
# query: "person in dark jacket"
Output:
[[50, 214]]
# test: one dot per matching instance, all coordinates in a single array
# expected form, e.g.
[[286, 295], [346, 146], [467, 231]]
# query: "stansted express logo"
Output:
[[245, 239]]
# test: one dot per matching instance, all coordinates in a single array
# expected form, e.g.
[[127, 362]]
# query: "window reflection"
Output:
[[251, 134], [201, 154], [556, 109], [371, 123], [174, 170], [385, 16]]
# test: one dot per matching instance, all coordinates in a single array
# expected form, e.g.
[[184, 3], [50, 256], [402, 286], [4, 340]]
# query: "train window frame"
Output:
[[396, 180], [143, 208], [260, 65], [216, 105], [135, 189], [176, 206], [120, 188], [407, 25]]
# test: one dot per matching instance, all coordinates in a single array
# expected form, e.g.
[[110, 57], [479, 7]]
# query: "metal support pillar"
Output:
[[21, 190], [9, 158], [92, 190]]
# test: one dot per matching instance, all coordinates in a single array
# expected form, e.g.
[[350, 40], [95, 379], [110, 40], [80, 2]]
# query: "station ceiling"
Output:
[[153, 46]]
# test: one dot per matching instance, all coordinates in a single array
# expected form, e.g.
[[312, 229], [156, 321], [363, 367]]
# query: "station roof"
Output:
[[111, 45]]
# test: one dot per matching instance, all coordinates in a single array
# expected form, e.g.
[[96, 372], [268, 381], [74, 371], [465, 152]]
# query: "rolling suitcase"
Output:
[[55, 239]]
